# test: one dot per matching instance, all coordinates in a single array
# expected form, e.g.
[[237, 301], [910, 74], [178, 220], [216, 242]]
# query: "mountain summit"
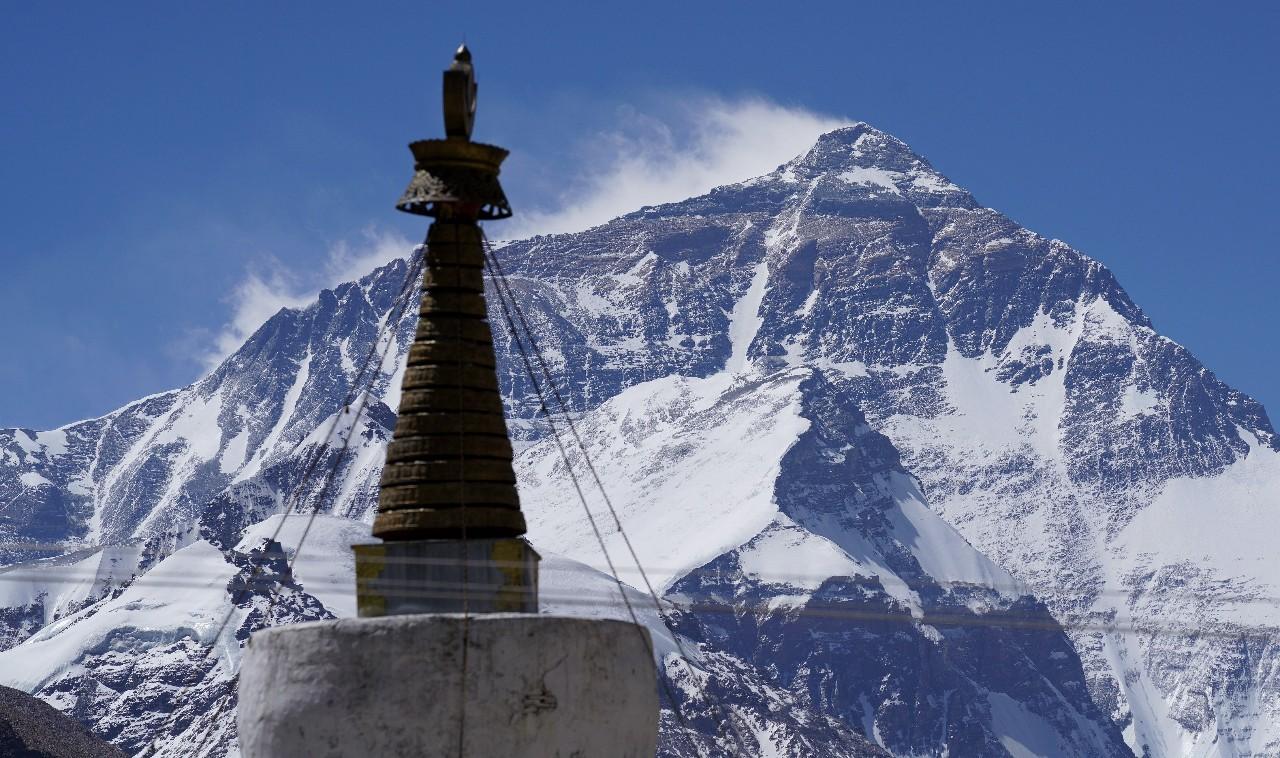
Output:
[[915, 479]]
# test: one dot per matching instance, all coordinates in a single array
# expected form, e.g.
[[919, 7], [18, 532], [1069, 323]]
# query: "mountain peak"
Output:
[[850, 391], [877, 162]]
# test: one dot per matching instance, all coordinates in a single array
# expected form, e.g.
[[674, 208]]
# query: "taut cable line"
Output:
[[508, 303], [33, 571], [401, 301], [573, 477], [393, 320], [1217, 629], [995, 619]]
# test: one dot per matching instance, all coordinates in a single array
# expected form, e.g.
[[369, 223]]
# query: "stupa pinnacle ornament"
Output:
[[448, 492], [455, 172]]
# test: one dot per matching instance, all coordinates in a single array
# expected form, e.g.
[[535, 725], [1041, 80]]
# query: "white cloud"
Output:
[[699, 145], [270, 286], [348, 262], [253, 301], [669, 154]]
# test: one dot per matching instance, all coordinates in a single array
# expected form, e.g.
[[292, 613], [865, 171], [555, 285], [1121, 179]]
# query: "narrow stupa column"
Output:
[[448, 472], [448, 511], [449, 656]]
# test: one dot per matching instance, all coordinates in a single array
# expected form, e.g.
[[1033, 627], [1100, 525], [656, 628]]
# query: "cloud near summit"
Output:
[[659, 155], [688, 150], [270, 286]]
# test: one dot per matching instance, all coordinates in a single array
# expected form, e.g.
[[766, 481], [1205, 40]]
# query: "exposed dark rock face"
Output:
[[31, 728]]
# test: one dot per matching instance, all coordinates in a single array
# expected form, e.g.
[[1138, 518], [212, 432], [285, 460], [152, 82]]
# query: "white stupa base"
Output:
[[535, 686]]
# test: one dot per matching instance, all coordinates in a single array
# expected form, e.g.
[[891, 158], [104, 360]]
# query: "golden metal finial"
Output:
[[456, 175], [460, 96]]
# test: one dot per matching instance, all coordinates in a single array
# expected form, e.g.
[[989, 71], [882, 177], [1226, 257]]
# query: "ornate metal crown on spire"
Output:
[[455, 171]]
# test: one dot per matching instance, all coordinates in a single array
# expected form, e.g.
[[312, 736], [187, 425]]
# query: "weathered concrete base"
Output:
[[535, 686]]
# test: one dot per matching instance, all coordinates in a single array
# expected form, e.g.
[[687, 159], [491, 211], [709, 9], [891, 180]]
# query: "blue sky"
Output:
[[174, 171]]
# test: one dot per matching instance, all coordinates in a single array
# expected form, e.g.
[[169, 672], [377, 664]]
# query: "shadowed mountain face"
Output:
[[876, 441], [31, 728]]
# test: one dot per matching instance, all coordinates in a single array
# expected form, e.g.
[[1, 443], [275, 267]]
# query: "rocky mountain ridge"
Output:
[[901, 374]]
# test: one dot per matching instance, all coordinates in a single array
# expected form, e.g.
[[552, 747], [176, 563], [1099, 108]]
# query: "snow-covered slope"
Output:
[[138, 666], [1045, 417], [148, 663], [38, 593], [842, 398], [148, 471], [766, 504]]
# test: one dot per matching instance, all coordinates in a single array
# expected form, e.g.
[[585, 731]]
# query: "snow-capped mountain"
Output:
[[1096, 460], [873, 442], [814, 557]]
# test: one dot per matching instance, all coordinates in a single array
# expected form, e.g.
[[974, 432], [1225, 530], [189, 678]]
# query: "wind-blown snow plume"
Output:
[[683, 151], [269, 286]]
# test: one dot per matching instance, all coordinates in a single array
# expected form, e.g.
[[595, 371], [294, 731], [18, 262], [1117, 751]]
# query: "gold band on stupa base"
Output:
[[446, 576]]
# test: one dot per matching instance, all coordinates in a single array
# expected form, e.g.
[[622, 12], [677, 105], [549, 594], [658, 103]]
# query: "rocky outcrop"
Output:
[[31, 728]]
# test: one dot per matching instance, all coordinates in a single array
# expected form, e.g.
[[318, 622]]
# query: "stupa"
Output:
[[449, 656]]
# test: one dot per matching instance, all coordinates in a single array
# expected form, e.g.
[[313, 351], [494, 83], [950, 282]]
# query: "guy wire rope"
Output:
[[1014, 620], [399, 305], [17, 573], [401, 302], [466, 559], [582, 499], [836, 611], [504, 295], [568, 417]]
